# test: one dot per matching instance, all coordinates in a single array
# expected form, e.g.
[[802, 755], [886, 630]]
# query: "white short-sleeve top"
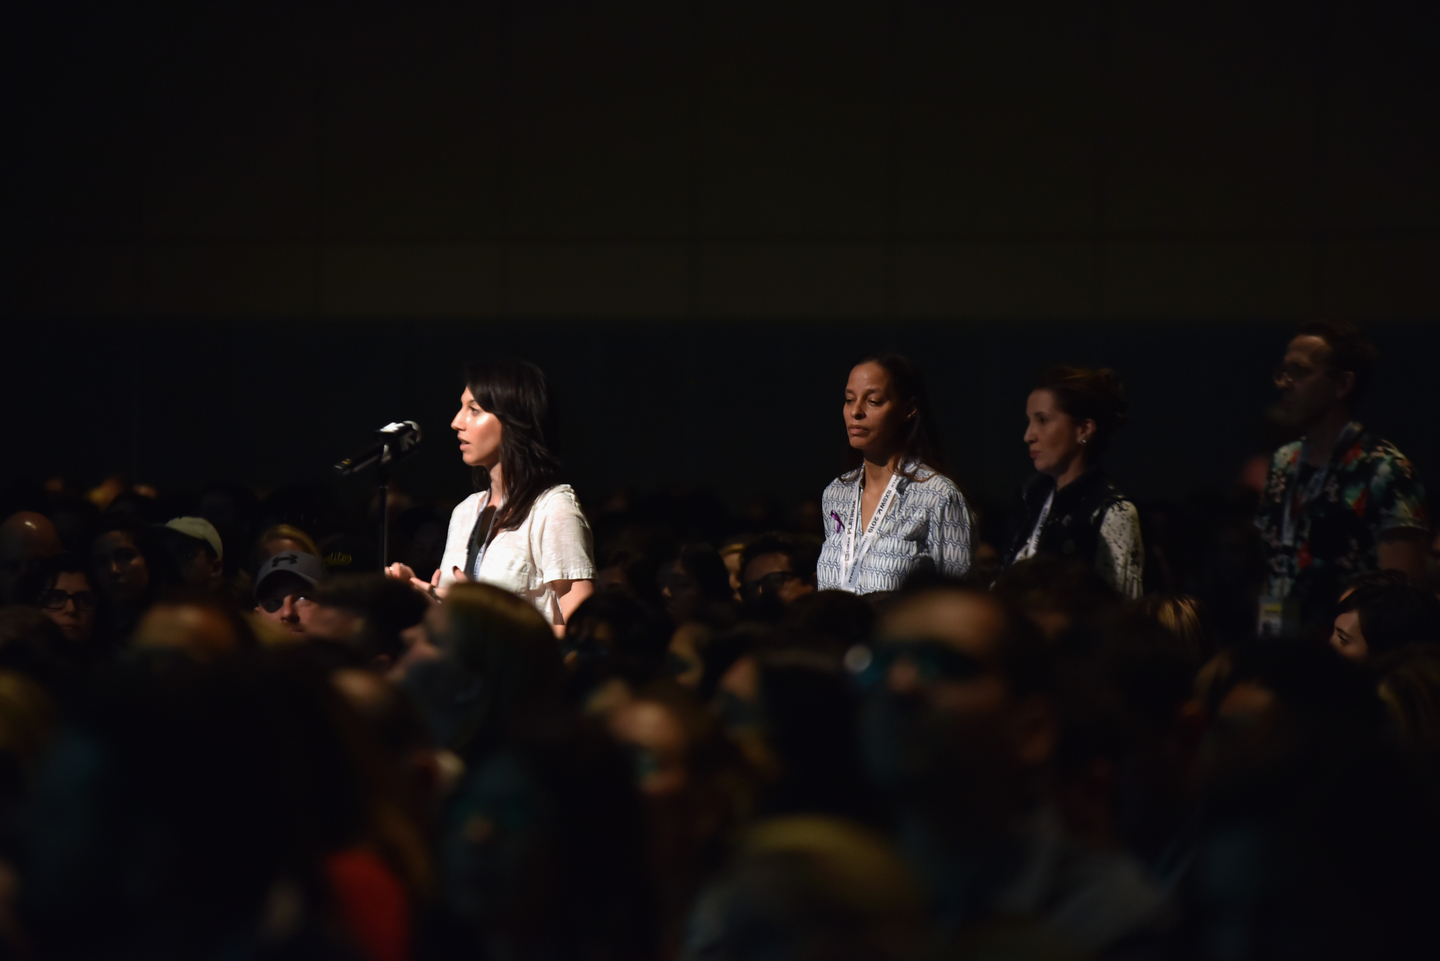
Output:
[[552, 543]]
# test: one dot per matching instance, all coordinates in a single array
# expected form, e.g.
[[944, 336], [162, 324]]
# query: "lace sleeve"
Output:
[[1120, 556]]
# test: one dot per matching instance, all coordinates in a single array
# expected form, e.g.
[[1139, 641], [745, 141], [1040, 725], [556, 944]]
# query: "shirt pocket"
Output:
[[911, 527], [508, 573]]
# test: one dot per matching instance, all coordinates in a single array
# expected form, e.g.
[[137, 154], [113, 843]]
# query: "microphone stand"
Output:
[[383, 478], [395, 440]]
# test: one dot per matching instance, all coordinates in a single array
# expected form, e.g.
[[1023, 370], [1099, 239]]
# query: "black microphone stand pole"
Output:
[[384, 480]]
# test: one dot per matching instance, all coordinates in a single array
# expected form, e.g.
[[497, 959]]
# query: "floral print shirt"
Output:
[[1369, 488]]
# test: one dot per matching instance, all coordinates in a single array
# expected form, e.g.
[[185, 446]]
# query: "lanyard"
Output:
[[1034, 542], [1311, 492], [484, 544], [850, 560]]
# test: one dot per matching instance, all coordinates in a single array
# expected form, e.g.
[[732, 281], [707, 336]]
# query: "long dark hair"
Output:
[[517, 393], [921, 442]]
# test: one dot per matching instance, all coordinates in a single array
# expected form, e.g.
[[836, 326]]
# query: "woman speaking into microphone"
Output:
[[521, 530], [896, 511]]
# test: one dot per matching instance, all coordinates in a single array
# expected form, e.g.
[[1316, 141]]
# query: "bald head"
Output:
[[25, 537]]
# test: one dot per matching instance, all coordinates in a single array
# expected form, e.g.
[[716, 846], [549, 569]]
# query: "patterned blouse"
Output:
[[1370, 488], [1088, 520], [928, 525]]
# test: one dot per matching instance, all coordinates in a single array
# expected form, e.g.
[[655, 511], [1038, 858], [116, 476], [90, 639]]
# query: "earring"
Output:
[[1084, 439]]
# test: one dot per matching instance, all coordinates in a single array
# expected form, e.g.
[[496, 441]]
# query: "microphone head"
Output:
[[391, 441], [402, 435]]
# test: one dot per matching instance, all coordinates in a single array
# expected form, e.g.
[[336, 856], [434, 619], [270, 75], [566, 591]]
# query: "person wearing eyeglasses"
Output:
[[896, 511], [777, 569], [60, 586], [1071, 509], [1338, 501], [959, 728], [285, 590]]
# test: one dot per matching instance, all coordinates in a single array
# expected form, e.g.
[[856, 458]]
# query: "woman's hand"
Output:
[[400, 572], [431, 588], [460, 577]]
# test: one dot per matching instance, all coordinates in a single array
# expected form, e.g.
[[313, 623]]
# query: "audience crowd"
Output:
[[225, 735]]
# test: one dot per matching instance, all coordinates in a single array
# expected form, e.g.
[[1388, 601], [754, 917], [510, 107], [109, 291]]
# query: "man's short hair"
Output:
[[803, 553], [1350, 350]]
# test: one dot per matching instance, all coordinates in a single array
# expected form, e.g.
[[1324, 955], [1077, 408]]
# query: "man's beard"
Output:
[[1283, 424]]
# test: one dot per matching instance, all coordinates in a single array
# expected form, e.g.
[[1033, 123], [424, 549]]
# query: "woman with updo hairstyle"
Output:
[[1071, 508], [895, 512]]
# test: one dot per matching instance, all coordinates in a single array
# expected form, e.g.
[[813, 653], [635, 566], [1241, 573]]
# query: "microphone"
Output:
[[392, 442]]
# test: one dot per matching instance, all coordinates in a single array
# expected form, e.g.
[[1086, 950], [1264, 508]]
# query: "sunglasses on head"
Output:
[[933, 661]]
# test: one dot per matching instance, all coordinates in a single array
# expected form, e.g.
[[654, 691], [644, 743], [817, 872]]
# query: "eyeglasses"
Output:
[[55, 600], [769, 584], [1290, 373], [933, 661], [272, 604]]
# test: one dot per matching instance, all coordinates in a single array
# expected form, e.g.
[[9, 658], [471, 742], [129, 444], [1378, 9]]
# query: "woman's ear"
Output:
[[1086, 430]]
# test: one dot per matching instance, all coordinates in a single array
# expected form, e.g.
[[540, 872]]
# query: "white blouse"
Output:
[[552, 543]]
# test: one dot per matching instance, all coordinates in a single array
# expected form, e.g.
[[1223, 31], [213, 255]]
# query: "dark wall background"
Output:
[[239, 237], [746, 409]]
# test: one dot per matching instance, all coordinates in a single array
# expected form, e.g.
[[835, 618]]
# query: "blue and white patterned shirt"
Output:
[[928, 525]]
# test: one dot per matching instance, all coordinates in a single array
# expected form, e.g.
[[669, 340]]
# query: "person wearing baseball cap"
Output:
[[194, 545], [284, 587]]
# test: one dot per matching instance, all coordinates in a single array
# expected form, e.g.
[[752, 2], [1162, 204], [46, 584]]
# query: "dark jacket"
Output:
[[1072, 529]]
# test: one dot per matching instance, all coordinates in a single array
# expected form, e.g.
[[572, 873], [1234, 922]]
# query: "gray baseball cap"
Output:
[[307, 567]]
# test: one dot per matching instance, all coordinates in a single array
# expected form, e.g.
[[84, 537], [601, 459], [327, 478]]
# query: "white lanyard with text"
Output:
[[850, 561], [1311, 492], [1033, 544]]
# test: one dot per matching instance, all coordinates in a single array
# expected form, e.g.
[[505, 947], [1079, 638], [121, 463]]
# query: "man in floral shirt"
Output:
[[1339, 501]]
